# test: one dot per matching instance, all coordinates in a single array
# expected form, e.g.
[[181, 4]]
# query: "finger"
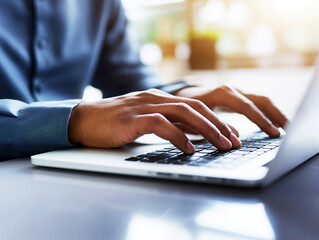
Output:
[[234, 130], [183, 113], [160, 126], [221, 125], [212, 117], [185, 129], [158, 98], [269, 109], [243, 105]]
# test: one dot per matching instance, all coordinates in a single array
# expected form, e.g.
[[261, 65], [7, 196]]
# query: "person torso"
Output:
[[48, 49]]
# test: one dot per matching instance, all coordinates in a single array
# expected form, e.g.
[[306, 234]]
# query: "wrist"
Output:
[[75, 122], [185, 92]]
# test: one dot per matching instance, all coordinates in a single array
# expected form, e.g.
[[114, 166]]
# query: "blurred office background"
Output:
[[180, 37]]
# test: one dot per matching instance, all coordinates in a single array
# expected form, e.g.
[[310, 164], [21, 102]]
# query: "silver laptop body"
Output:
[[300, 143]]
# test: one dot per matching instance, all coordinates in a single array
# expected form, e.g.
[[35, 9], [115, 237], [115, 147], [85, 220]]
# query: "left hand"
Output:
[[258, 109]]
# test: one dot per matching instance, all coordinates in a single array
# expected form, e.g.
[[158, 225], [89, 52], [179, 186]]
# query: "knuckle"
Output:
[[212, 129], [265, 100], [147, 93], [222, 90], [157, 92], [226, 88], [182, 107], [225, 126], [131, 103], [154, 90], [156, 119], [245, 105], [199, 104]]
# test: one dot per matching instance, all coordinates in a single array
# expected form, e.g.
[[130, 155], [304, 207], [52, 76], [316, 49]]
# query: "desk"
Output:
[[41, 203]]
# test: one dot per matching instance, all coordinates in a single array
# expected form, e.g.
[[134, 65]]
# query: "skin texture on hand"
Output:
[[114, 122], [258, 109]]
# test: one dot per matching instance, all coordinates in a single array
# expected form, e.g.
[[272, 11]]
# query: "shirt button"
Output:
[[42, 42], [37, 87]]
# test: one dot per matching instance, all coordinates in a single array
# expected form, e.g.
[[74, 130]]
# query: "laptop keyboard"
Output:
[[207, 155]]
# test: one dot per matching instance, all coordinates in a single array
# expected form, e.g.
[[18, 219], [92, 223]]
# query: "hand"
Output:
[[114, 122], [258, 109]]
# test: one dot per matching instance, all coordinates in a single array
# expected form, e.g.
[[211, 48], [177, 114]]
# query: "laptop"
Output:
[[259, 162]]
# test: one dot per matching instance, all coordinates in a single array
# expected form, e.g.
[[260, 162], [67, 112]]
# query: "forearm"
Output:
[[27, 129]]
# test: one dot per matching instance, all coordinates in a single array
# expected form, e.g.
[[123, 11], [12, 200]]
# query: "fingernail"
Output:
[[224, 141], [190, 147], [274, 131], [235, 141]]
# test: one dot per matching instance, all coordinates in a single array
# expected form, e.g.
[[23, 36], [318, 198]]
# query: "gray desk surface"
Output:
[[42, 203]]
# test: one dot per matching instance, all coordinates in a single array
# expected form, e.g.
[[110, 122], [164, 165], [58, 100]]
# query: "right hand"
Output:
[[114, 122]]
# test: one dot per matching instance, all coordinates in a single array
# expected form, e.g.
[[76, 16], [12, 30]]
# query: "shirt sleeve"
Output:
[[119, 69], [27, 129]]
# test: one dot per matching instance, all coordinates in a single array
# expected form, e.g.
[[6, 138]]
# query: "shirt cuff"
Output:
[[172, 88], [28, 129]]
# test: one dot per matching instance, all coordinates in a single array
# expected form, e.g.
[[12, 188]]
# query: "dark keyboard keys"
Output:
[[209, 156], [132, 159]]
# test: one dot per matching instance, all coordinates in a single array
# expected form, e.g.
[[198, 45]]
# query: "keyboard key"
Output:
[[164, 161], [199, 154], [254, 154], [213, 157], [176, 151], [132, 159], [269, 147], [212, 148], [274, 144], [184, 157], [191, 158], [257, 145], [262, 150], [267, 140], [247, 149], [141, 156], [209, 156], [200, 147], [153, 158], [239, 153], [206, 151], [195, 164], [151, 154], [180, 161], [163, 150], [218, 153], [232, 156], [146, 159]]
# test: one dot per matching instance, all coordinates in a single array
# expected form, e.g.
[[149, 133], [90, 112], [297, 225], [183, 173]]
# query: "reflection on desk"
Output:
[[220, 218]]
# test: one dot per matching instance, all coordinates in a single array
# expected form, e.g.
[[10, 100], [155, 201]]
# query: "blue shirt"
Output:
[[50, 50]]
